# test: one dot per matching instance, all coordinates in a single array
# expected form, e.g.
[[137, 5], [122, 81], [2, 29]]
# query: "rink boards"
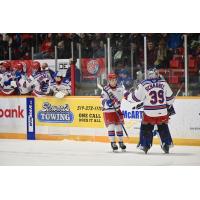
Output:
[[81, 118]]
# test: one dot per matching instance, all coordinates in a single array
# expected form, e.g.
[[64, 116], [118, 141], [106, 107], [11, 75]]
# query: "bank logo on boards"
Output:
[[55, 114], [12, 112]]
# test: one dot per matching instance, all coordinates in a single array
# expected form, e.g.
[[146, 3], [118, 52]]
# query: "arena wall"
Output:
[[81, 118]]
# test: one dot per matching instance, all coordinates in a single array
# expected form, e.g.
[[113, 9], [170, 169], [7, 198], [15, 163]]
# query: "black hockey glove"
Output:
[[170, 110]]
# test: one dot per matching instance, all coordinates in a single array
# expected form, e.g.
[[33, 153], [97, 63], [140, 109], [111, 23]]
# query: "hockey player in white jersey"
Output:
[[60, 87], [45, 69], [156, 96], [40, 81], [23, 81], [111, 96], [8, 84]]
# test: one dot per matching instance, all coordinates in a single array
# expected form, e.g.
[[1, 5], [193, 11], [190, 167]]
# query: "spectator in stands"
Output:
[[67, 45], [25, 51], [85, 45], [16, 43], [61, 50], [59, 42], [151, 53], [161, 60], [2, 47], [154, 38], [96, 51], [125, 79], [46, 49], [136, 57], [118, 53], [175, 40], [101, 48], [7, 42]]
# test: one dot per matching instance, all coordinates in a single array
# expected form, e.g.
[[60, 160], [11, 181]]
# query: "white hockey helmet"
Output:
[[152, 73]]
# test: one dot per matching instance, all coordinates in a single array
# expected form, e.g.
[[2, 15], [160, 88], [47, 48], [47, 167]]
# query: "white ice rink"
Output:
[[24, 152]]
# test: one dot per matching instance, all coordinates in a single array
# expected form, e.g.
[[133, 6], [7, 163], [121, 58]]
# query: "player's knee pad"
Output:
[[119, 130], [111, 130], [146, 135], [164, 134]]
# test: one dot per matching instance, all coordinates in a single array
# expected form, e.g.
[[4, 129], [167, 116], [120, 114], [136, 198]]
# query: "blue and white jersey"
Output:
[[155, 94], [64, 87], [24, 84], [8, 83], [40, 82]]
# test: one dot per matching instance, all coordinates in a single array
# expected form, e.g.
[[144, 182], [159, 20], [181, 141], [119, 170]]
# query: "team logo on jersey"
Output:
[[93, 66], [55, 114]]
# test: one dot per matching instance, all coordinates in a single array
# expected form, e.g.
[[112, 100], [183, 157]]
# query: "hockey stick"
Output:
[[177, 93], [99, 86]]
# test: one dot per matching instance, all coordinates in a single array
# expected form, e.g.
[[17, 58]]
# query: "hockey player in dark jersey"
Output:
[[156, 96]]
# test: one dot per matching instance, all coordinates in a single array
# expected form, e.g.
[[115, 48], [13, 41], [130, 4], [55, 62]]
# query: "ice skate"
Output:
[[165, 148], [122, 146], [145, 149], [114, 146]]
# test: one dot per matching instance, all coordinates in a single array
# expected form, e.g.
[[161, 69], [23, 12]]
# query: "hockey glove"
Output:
[[17, 76], [8, 82], [170, 110], [13, 84], [59, 95], [109, 103]]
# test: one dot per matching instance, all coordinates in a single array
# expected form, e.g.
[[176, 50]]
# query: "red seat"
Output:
[[180, 50], [192, 65], [173, 79], [176, 63]]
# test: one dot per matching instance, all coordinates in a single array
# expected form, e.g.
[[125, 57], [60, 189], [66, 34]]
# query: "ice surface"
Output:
[[24, 152]]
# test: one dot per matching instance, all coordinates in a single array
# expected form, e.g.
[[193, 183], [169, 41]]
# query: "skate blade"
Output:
[[123, 150], [166, 152]]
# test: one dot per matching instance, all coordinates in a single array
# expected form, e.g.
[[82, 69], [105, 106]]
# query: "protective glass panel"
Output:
[[193, 43], [91, 64]]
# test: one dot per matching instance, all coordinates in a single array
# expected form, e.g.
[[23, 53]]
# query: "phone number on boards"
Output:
[[89, 108]]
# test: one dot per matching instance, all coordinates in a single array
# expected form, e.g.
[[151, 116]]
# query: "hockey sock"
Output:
[[112, 138], [120, 136], [111, 135]]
